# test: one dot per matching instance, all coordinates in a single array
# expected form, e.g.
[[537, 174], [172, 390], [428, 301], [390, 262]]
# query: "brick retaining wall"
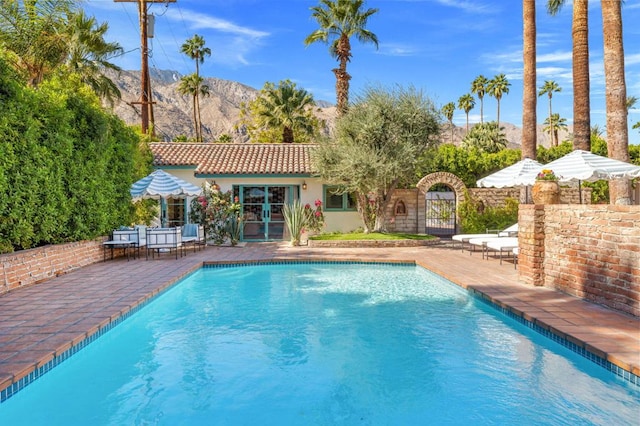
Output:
[[589, 251], [33, 266]]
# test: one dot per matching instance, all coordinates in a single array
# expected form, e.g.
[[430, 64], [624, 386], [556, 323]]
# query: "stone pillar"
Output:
[[531, 238]]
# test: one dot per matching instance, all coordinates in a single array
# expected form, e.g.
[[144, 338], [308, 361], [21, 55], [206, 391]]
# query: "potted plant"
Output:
[[546, 189]]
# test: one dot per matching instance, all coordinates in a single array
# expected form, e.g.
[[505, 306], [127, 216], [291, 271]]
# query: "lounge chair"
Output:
[[502, 245], [491, 233]]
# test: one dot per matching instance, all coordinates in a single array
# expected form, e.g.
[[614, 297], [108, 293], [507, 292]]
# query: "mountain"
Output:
[[173, 112]]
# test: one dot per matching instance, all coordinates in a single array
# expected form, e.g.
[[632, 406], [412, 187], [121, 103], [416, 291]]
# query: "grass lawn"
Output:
[[358, 236]]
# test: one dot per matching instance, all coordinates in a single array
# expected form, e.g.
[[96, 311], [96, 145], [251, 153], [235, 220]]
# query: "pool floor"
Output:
[[40, 323]]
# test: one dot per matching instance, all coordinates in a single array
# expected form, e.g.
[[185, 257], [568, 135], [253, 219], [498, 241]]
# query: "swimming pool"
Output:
[[322, 344]]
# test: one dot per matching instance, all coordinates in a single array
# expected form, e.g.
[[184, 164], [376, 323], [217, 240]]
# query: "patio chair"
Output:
[[491, 233], [193, 234]]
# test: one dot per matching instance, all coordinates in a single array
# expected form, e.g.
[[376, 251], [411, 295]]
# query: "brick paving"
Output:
[[40, 322]]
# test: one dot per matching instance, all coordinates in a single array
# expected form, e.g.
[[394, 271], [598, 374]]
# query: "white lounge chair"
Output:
[[502, 245], [507, 232]]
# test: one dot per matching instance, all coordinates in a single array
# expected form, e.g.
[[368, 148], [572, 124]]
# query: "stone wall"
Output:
[[589, 251], [36, 265]]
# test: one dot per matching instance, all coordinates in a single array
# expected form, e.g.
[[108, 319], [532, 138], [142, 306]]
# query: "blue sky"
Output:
[[438, 46]]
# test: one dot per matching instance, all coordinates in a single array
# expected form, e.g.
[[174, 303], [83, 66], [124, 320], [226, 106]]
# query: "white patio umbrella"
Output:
[[514, 175], [580, 165], [160, 185]]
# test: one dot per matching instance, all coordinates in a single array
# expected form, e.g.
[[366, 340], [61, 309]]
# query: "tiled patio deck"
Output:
[[41, 322]]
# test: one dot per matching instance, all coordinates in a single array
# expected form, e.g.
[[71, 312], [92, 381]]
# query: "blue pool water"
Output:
[[322, 344]]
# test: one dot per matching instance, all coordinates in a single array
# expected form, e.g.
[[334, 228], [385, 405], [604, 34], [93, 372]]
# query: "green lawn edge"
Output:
[[359, 236]]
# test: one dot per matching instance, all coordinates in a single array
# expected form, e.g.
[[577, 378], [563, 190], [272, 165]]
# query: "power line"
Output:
[[146, 100]]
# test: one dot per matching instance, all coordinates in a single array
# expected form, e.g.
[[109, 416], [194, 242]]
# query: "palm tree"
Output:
[[287, 107], [339, 20], [529, 100], [616, 95], [548, 88], [631, 102], [89, 54], [554, 124], [581, 90], [486, 137], [192, 85], [466, 103], [479, 87], [448, 110], [497, 87], [195, 49]]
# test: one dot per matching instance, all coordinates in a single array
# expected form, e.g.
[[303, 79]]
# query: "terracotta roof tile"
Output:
[[235, 159]]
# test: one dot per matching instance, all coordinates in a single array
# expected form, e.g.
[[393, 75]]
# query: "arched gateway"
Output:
[[443, 191]]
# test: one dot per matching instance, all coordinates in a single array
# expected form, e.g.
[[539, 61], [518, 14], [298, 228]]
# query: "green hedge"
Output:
[[65, 164]]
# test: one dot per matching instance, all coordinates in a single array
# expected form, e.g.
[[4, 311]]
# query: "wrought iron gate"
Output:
[[440, 213]]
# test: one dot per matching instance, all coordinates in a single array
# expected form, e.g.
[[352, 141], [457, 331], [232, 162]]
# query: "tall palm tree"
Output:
[[529, 100], [339, 20], [195, 49], [466, 103], [581, 89], [616, 95], [32, 32], [192, 85], [287, 107], [479, 88], [548, 88], [497, 87], [88, 54], [448, 110], [554, 124]]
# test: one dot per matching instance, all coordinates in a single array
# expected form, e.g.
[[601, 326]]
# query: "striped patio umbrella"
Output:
[[160, 185], [514, 175], [580, 165]]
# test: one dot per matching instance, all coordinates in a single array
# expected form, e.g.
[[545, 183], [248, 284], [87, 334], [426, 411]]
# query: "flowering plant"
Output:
[[546, 174], [220, 215], [315, 218]]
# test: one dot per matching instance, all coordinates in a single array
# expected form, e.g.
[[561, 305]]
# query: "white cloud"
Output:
[[396, 49], [468, 6], [555, 57], [201, 21]]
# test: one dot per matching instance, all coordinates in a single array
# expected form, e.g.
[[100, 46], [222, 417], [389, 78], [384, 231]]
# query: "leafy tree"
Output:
[[580, 40], [479, 88], [497, 87], [468, 164], [195, 49], [339, 20], [377, 145], [448, 110], [553, 125], [486, 137], [225, 138], [280, 113], [466, 103]]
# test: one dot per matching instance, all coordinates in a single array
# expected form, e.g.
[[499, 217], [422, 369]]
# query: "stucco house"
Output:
[[264, 177]]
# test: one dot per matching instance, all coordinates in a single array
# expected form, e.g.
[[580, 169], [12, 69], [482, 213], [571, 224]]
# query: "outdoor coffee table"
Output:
[[122, 244]]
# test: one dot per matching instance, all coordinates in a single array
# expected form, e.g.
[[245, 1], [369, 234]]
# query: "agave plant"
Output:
[[295, 217]]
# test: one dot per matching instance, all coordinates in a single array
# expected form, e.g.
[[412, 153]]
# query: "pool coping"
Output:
[[610, 362]]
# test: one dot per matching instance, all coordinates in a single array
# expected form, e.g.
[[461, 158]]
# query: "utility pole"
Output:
[[146, 101]]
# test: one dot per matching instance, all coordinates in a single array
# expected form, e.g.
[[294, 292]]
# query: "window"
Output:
[[336, 201]]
